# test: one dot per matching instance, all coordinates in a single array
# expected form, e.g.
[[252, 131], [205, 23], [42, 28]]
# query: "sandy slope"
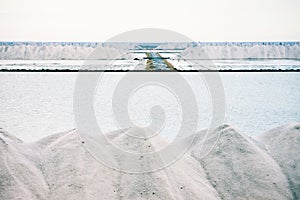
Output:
[[59, 167]]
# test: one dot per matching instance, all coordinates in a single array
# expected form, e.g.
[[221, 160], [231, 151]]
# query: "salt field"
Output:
[[175, 127]]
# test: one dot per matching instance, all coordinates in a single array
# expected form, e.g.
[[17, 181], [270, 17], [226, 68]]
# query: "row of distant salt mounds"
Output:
[[238, 167], [243, 51], [193, 50], [61, 51]]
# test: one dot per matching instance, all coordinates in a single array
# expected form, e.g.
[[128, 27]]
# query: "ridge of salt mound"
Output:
[[71, 171], [4, 136], [139, 140], [19, 177], [283, 144], [239, 169]]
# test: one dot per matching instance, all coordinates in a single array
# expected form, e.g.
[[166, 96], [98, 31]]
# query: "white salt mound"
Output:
[[238, 168], [60, 167], [21, 176], [241, 52], [283, 144], [58, 52], [68, 171]]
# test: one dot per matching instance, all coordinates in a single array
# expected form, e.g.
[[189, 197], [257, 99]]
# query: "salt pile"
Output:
[[254, 51], [227, 165], [283, 144], [61, 52], [238, 168], [192, 50]]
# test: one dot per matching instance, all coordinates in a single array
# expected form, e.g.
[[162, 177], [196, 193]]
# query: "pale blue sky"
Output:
[[201, 20]]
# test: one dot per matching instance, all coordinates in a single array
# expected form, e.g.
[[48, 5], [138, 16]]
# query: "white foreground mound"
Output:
[[239, 169], [68, 171], [283, 144], [231, 166], [21, 176]]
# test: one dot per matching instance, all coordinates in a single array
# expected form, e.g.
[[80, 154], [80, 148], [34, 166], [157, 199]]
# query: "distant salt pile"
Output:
[[176, 45], [242, 51], [227, 165], [108, 53], [60, 51], [193, 50]]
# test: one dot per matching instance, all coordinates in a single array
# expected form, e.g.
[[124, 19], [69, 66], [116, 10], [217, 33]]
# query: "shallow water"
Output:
[[37, 104]]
